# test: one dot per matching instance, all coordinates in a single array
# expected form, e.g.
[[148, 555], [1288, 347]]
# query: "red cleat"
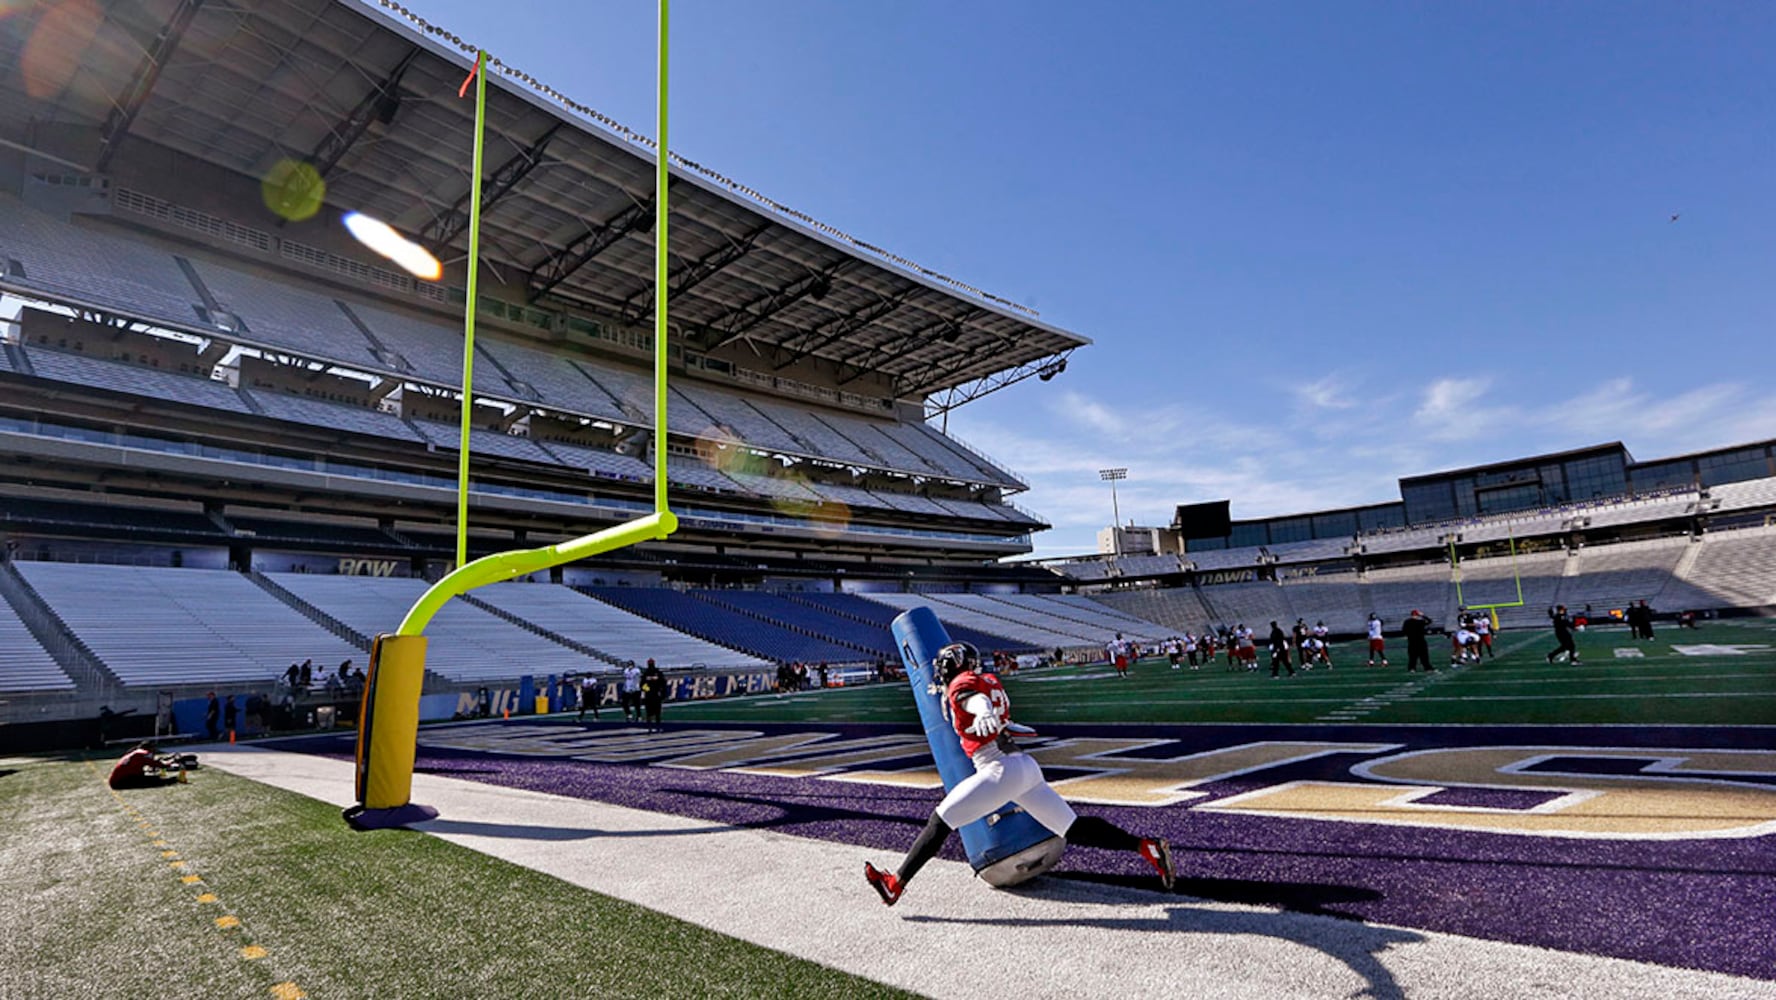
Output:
[[1158, 853], [887, 884]]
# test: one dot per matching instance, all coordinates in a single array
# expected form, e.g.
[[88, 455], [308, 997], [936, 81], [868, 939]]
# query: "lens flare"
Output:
[[57, 45], [406, 254], [293, 190]]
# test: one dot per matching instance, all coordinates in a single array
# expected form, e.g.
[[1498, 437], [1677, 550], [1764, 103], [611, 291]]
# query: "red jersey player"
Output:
[[979, 708]]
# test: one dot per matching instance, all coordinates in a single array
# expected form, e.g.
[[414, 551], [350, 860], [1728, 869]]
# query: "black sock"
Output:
[[1091, 831], [929, 842]]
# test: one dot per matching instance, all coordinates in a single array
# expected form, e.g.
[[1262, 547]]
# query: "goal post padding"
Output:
[[1009, 846]]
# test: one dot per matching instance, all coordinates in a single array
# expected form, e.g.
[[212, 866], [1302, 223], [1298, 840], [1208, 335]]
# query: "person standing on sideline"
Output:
[[1646, 619], [1418, 647], [590, 694], [653, 694], [1377, 644], [230, 717], [1563, 637], [213, 717], [1279, 651], [631, 692]]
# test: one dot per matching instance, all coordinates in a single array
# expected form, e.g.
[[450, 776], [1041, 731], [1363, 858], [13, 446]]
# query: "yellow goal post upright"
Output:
[[1455, 576], [388, 730]]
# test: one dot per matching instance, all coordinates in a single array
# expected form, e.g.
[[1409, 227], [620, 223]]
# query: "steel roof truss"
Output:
[[845, 326], [123, 113], [638, 217], [455, 220], [742, 319]]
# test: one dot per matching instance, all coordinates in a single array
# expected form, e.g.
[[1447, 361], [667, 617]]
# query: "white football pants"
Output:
[[1000, 778]]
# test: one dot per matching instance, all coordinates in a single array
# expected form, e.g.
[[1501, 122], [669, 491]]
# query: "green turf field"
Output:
[[119, 895], [1732, 683]]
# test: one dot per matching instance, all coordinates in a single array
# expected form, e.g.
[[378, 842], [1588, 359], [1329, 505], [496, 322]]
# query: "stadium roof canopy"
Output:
[[367, 94]]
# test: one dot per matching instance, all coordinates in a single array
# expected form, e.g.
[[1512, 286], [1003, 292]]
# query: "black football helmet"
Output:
[[954, 659]]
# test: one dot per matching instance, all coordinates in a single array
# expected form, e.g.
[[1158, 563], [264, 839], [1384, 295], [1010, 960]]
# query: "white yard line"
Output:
[[952, 936]]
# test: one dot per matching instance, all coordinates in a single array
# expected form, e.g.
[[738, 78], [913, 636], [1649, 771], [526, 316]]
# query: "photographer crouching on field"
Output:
[[144, 767]]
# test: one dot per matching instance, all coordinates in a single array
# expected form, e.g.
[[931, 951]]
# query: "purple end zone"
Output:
[[1702, 903]]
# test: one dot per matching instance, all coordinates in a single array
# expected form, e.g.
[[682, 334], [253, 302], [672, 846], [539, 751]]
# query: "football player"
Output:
[[1377, 645], [976, 704], [1483, 627]]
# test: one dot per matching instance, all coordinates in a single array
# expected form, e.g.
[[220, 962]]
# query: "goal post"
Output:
[[1492, 609], [388, 719]]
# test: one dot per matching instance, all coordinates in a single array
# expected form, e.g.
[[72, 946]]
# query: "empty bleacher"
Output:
[[466, 642], [1735, 569], [1404, 539], [610, 629], [1214, 559], [134, 380], [1079, 612], [1338, 599], [279, 314], [733, 412], [726, 626], [1312, 550], [1613, 576], [973, 611], [879, 615], [1629, 511], [1394, 592], [1747, 495], [24, 664], [317, 413], [1255, 604], [168, 627], [62, 259], [128, 273], [1177, 608], [819, 622]]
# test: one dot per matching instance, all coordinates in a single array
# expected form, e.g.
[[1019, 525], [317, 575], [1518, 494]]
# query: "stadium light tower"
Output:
[[1111, 476]]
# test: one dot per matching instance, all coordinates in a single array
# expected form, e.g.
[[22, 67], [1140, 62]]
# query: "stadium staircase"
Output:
[[16, 358], [309, 611], [1208, 605], [91, 677], [574, 644]]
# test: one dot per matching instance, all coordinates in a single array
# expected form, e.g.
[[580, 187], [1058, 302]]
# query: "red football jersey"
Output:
[[131, 766], [966, 685]]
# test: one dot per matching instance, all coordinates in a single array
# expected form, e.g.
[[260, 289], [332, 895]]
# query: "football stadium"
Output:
[[581, 617]]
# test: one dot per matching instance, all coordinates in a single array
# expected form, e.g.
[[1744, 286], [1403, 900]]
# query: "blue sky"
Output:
[[1319, 246]]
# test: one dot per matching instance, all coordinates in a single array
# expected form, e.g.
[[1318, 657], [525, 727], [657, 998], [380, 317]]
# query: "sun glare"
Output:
[[382, 238]]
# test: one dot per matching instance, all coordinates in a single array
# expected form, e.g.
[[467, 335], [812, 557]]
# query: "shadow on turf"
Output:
[[1358, 946], [1318, 899], [519, 831]]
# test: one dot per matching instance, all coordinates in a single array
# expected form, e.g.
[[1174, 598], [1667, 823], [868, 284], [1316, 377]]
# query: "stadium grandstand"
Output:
[[1590, 529], [233, 432], [227, 423]]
